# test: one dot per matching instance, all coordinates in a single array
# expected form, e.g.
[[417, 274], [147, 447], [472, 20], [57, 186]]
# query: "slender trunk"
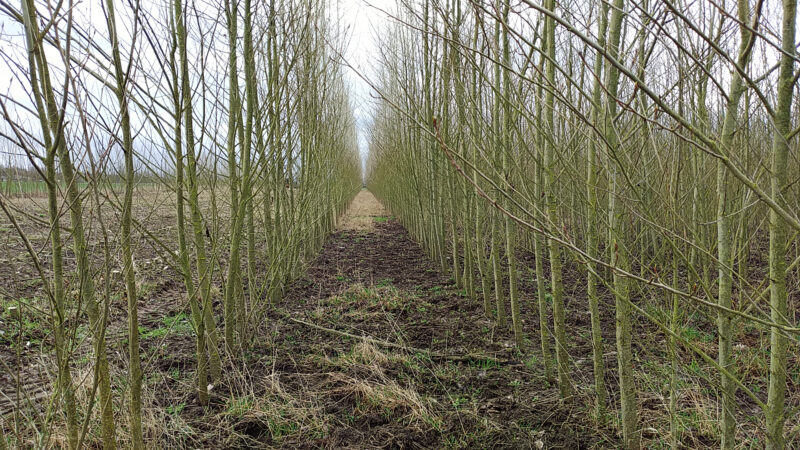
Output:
[[554, 249], [592, 234], [619, 252], [234, 111], [183, 250], [725, 211], [505, 134], [134, 361], [54, 141], [203, 269], [779, 232], [497, 231]]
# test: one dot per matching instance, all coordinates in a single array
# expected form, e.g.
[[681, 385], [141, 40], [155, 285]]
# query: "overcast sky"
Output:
[[365, 19], [361, 19]]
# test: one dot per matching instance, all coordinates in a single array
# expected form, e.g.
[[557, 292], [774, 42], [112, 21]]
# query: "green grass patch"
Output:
[[238, 407], [174, 410], [177, 324]]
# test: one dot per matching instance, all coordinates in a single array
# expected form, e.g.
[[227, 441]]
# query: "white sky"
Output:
[[365, 19], [361, 20]]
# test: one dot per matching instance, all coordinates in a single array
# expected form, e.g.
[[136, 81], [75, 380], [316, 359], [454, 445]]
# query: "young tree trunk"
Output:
[[203, 268], [539, 245], [134, 361], [779, 231], [234, 112], [559, 314], [592, 234], [55, 142], [619, 255], [183, 250], [505, 134], [497, 150], [724, 231]]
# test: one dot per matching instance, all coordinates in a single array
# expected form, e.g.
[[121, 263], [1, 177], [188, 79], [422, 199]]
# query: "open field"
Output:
[[37, 188]]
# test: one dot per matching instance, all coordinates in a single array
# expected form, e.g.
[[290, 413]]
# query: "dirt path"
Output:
[[363, 213], [372, 280]]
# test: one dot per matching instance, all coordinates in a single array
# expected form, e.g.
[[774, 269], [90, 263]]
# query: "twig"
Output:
[[382, 343]]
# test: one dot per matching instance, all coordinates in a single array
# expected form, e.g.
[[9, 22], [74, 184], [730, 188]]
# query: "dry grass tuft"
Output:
[[368, 354], [380, 395], [273, 416]]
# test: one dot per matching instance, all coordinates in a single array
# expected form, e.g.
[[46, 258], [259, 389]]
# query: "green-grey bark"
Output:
[[779, 232]]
